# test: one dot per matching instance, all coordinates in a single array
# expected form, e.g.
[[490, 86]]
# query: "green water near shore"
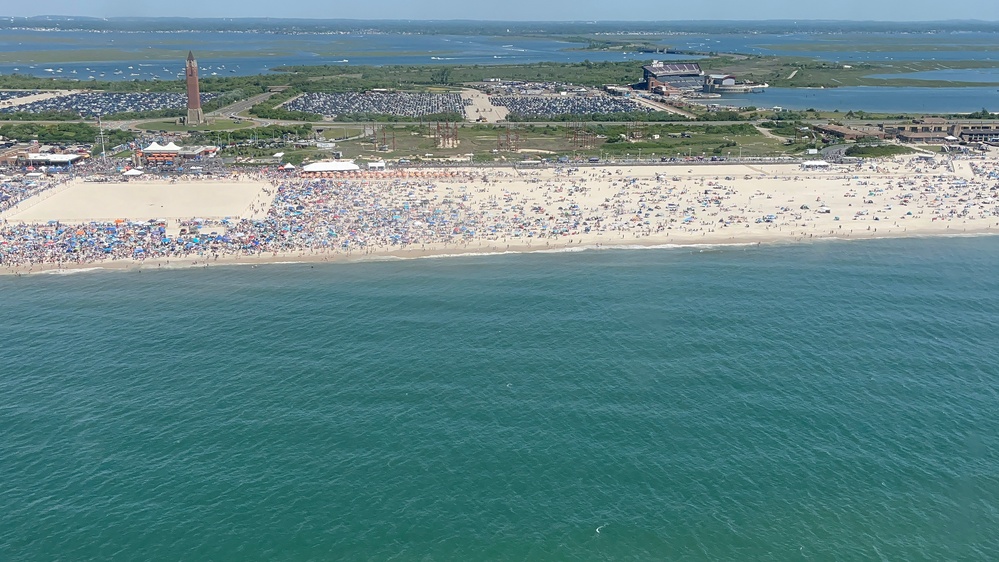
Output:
[[826, 401]]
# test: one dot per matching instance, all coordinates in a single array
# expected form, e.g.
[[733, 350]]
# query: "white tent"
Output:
[[132, 172], [339, 166], [815, 164], [171, 146], [155, 147], [288, 167]]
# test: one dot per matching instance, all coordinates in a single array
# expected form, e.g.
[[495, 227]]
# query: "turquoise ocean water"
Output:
[[834, 401]]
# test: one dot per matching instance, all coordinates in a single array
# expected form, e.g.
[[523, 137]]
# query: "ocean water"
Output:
[[832, 401]]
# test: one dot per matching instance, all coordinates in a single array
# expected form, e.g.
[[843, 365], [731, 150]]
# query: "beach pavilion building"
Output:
[[156, 154]]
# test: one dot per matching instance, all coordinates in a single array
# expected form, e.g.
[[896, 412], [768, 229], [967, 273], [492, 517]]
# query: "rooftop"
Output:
[[679, 68]]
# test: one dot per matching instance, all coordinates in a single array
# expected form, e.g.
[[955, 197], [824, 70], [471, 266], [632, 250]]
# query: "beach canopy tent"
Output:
[[132, 172], [331, 167], [815, 164], [288, 166], [379, 165], [156, 147]]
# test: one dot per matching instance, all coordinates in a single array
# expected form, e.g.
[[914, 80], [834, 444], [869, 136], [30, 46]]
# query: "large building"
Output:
[[848, 133], [726, 84], [194, 114], [672, 76], [171, 154]]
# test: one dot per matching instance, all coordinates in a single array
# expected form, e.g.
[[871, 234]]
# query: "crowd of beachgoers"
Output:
[[400, 104], [490, 210], [18, 187], [15, 190], [549, 106], [90, 104]]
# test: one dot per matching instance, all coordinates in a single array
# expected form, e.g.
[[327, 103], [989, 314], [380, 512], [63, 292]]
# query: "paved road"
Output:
[[235, 109], [481, 107], [659, 106]]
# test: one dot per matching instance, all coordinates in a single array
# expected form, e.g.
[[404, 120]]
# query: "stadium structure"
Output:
[[665, 76]]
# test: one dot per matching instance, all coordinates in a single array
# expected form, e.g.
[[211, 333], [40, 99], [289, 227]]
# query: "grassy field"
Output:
[[488, 142], [877, 151], [332, 132], [171, 126]]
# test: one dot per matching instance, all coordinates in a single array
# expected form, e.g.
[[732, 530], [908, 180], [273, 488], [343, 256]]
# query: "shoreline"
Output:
[[297, 258], [462, 212]]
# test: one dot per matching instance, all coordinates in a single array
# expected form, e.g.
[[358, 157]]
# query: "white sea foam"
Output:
[[71, 271]]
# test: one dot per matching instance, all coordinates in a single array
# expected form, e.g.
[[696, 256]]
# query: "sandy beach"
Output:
[[495, 210]]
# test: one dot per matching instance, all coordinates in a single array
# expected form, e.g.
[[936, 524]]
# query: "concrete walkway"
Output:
[[659, 106], [767, 133], [481, 108]]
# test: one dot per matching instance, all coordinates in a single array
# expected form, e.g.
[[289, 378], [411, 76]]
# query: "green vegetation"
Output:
[[213, 125], [359, 78], [644, 116], [152, 114], [41, 116], [613, 140], [603, 44], [685, 140], [268, 109], [774, 70], [877, 151], [983, 114], [272, 132], [81, 133], [783, 128], [806, 73]]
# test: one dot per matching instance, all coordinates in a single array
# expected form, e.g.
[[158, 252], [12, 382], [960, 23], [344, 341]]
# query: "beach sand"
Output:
[[609, 206], [79, 201]]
